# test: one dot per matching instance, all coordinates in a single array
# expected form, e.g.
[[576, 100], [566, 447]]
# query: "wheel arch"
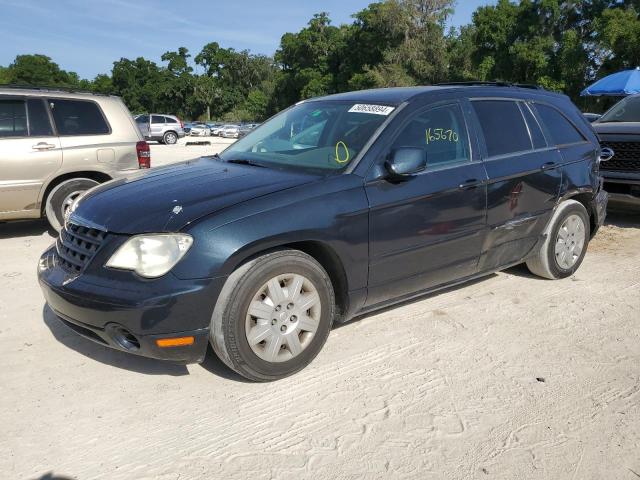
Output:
[[585, 198], [320, 251], [99, 177]]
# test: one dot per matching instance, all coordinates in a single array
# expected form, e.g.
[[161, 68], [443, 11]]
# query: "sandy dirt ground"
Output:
[[508, 377]]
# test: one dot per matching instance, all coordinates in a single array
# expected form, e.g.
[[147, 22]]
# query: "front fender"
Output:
[[333, 212]]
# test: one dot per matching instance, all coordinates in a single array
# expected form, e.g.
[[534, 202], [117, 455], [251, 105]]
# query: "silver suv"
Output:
[[161, 128], [55, 145]]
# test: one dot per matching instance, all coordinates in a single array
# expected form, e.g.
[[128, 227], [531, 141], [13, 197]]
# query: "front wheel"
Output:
[[273, 316], [567, 238], [60, 199]]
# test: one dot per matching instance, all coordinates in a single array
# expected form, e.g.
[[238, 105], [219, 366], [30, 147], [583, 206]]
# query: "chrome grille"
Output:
[[626, 158], [77, 245]]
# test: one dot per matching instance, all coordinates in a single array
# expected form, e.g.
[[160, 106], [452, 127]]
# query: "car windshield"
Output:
[[627, 110], [317, 135]]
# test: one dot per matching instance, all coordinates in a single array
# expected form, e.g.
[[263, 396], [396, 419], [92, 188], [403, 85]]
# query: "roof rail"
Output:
[[491, 84], [47, 88]]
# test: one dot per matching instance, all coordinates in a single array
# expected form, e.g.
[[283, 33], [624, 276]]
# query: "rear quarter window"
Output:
[[78, 117], [561, 130]]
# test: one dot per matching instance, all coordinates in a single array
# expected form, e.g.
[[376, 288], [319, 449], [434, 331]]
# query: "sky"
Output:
[[87, 36]]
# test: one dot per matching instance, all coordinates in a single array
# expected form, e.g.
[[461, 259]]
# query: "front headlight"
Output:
[[153, 255]]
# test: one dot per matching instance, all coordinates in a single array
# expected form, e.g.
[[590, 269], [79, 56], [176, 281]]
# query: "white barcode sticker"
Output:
[[374, 109]]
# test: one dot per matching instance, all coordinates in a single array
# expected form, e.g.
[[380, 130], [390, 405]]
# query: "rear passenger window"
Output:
[[13, 118], [78, 117], [169, 120], [155, 119], [39, 124], [503, 126], [441, 131], [561, 130], [534, 127]]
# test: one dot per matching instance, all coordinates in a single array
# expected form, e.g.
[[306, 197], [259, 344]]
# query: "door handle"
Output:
[[469, 184], [43, 146], [548, 166]]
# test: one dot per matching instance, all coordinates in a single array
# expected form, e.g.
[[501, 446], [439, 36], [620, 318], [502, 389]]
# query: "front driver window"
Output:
[[441, 132]]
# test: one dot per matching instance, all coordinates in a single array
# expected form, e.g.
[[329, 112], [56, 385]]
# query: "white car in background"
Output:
[[230, 131], [200, 130], [215, 130]]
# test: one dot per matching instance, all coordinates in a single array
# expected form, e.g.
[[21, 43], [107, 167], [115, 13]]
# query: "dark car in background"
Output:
[[592, 117], [335, 207], [619, 131]]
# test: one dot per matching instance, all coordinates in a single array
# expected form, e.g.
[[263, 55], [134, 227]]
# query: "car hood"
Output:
[[168, 198], [617, 128]]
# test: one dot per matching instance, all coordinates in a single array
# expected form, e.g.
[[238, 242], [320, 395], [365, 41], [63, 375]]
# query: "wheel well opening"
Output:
[[585, 200], [97, 176], [330, 261]]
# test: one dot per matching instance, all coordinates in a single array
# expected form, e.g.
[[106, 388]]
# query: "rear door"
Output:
[[30, 152], [428, 230], [524, 179], [157, 126]]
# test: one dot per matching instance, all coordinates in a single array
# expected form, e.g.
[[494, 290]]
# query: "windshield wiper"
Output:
[[242, 161]]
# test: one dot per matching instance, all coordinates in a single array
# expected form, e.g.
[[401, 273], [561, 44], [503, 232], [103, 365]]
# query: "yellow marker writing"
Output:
[[346, 149]]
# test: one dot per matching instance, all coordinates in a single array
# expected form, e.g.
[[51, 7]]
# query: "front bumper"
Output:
[[131, 314], [623, 187]]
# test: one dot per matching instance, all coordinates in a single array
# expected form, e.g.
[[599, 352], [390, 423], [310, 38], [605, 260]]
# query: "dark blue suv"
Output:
[[335, 207]]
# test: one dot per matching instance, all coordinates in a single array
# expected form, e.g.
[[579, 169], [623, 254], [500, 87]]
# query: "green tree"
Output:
[[618, 31], [39, 70]]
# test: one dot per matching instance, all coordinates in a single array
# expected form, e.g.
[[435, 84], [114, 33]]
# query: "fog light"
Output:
[[174, 342]]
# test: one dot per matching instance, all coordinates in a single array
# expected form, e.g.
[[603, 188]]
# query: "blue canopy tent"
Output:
[[618, 84]]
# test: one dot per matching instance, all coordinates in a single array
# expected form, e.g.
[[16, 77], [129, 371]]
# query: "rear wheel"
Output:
[[273, 316], [170, 138], [566, 243], [62, 197]]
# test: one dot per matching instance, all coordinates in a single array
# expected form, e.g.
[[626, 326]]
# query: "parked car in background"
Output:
[[230, 131], [592, 117], [244, 130], [161, 128], [187, 128], [200, 130], [55, 145], [217, 129], [337, 206], [619, 131]]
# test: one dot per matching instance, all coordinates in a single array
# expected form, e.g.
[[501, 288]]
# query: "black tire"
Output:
[[545, 264], [228, 331], [59, 194], [170, 138]]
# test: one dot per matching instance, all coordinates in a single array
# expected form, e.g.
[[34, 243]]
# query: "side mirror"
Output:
[[606, 154], [406, 162]]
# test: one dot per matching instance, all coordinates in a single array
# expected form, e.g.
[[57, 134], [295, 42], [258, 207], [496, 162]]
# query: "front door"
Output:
[[29, 154], [428, 230]]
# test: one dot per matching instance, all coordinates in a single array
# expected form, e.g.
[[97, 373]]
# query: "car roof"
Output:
[[398, 95], [59, 92]]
